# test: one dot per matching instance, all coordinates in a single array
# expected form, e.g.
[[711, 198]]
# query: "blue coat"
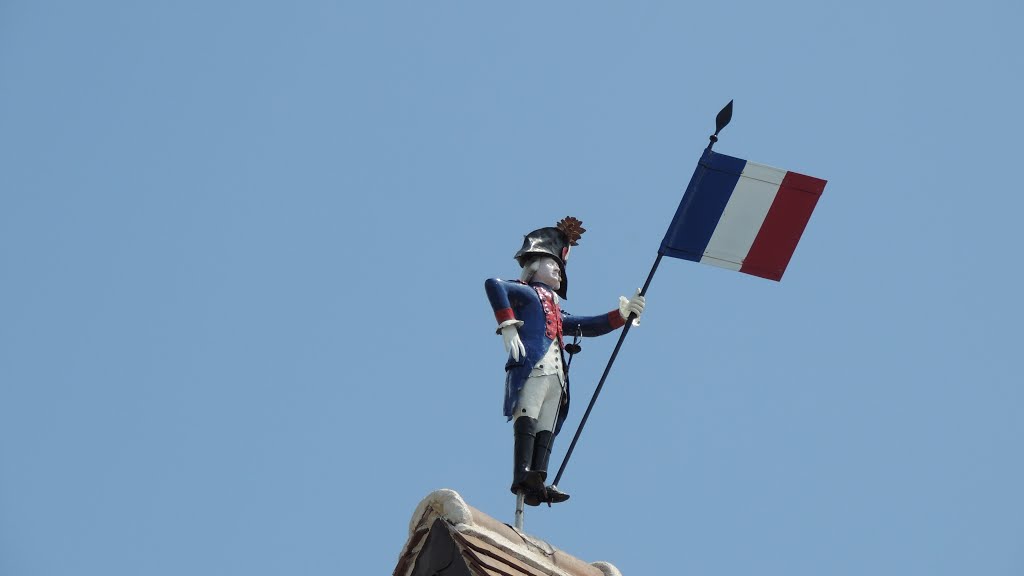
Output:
[[519, 301]]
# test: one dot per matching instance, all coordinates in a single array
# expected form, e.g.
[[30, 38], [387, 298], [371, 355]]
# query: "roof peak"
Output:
[[486, 545]]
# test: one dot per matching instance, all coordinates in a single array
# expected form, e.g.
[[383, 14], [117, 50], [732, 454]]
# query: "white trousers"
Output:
[[540, 398]]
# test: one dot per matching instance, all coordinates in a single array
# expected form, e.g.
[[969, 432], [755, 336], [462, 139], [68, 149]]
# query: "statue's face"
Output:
[[549, 273]]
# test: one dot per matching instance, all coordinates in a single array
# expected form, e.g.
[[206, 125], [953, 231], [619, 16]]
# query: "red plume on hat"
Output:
[[554, 242]]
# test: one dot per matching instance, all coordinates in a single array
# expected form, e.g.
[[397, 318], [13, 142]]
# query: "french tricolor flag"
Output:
[[742, 216]]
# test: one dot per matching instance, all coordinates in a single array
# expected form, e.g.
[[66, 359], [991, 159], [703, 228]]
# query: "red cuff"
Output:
[[615, 319], [504, 315]]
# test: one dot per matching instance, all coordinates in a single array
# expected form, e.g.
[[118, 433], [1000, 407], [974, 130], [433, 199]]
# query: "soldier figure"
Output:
[[531, 324]]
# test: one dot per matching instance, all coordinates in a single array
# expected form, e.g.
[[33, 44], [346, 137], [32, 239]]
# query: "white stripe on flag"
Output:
[[741, 221]]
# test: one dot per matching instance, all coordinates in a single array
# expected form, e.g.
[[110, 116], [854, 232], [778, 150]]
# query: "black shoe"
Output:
[[555, 495], [522, 456], [551, 495]]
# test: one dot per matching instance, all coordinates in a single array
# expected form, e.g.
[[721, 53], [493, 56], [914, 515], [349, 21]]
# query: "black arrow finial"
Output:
[[722, 120]]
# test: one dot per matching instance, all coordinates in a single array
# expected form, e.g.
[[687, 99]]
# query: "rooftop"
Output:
[[448, 536]]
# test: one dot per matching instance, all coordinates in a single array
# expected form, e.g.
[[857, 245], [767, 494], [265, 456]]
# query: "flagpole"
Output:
[[721, 120]]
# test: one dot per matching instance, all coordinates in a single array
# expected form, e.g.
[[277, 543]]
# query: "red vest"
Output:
[[552, 314]]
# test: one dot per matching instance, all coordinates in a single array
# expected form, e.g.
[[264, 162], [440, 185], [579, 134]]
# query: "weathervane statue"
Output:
[[532, 325], [735, 214]]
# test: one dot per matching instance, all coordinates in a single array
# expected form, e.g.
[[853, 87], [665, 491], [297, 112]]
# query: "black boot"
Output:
[[541, 455], [526, 435]]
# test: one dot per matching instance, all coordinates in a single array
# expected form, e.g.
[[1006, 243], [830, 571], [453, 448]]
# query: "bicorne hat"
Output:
[[553, 242]]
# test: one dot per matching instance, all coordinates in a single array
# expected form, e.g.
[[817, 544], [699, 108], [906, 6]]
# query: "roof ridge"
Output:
[[467, 524]]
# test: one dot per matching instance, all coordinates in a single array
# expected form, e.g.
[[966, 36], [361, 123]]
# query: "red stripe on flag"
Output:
[[775, 242]]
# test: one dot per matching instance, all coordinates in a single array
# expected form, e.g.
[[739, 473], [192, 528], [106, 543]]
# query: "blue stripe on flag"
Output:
[[702, 205]]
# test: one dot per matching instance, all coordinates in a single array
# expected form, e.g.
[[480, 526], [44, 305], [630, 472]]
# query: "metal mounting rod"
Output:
[[520, 500]]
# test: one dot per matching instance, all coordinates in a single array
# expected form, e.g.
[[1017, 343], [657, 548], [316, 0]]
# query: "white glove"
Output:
[[634, 305], [510, 334]]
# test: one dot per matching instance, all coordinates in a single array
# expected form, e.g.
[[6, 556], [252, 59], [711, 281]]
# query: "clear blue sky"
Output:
[[243, 245]]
